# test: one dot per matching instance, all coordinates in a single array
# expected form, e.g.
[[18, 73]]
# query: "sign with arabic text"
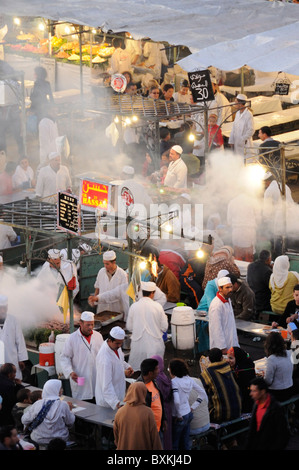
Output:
[[95, 194], [68, 212], [201, 86]]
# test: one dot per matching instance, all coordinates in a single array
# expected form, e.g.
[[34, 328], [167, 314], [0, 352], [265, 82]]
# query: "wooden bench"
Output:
[[223, 431]]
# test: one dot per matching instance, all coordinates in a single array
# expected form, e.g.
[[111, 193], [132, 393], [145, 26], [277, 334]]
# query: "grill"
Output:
[[40, 216]]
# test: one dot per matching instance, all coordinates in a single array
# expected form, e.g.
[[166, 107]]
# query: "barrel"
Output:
[[59, 345], [183, 328], [46, 354]]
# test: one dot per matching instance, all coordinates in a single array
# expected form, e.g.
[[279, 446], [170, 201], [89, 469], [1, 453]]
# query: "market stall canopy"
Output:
[[274, 50], [196, 24]]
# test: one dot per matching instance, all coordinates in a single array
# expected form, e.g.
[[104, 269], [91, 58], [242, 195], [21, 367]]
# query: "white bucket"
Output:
[[46, 354], [183, 328], [59, 345]]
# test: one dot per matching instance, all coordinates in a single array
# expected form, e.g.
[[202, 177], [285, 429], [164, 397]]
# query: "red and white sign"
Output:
[[94, 194]]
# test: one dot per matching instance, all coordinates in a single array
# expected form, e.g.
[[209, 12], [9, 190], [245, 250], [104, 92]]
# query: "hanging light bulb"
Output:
[[200, 254], [142, 265]]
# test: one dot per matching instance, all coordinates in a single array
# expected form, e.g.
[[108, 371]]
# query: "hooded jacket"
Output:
[[181, 387], [223, 392]]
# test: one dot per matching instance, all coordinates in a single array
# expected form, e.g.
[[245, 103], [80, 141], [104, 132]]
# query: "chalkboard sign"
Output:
[[282, 88], [201, 86], [67, 212]]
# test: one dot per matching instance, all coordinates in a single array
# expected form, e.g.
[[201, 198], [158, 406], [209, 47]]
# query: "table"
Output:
[[265, 104], [279, 118]]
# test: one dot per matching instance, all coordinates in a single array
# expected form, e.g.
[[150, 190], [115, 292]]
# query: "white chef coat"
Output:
[[110, 377], [222, 326], [22, 176], [14, 343], [133, 47], [155, 55], [120, 292], [49, 182], [242, 132], [243, 216], [179, 98], [7, 235], [104, 283], [147, 321], [79, 356], [48, 133], [273, 209], [176, 176], [120, 61], [52, 278]]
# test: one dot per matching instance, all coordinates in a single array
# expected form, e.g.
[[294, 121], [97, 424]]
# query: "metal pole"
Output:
[[80, 53], [70, 292], [283, 195], [23, 112]]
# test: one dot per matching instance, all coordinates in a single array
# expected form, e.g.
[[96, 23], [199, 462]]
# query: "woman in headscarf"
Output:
[[134, 425], [49, 417], [244, 371], [281, 284], [164, 384], [220, 259]]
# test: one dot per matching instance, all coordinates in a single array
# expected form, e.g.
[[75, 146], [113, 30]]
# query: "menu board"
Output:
[[95, 194], [282, 88], [68, 212], [201, 86]]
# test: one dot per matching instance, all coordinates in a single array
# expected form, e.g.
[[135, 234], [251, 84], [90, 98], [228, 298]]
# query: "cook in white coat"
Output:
[[147, 321], [176, 176], [242, 131], [48, 133], [78, 358], [120, 61], [120, 292], [109, 277], [53, 178], [222, 326], [7, 236], [23, 176], [112, 371], [51, 269], [155, 55], [15, 351]]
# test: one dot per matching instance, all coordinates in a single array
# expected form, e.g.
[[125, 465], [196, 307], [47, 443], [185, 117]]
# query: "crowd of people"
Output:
[[163, 407], [178, 406]]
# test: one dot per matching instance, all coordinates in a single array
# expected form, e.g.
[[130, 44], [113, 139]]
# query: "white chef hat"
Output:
[[109, 255], [128, 170], [3, 300], [87, 316], [241, 97], [267, 175], [53, 155], [54, 253], [148, 286], [85, 247], [177, 149], [117, 333], [222, 273], [223, 281]]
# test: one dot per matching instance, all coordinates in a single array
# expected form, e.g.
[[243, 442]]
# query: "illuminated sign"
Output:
[[94, 194]]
